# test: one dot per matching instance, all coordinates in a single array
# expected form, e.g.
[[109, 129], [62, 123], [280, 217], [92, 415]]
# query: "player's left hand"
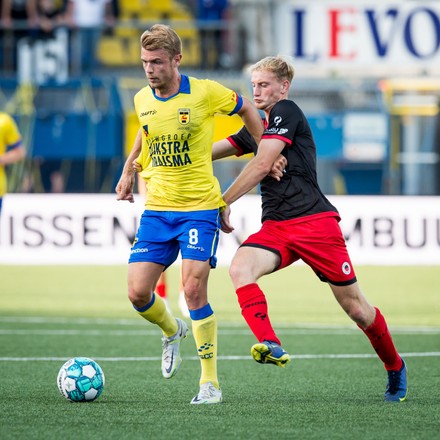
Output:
[[225, 224], [278, 167]]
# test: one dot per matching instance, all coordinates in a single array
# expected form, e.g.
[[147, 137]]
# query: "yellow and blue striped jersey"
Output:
[[9, 138], [177, 137]]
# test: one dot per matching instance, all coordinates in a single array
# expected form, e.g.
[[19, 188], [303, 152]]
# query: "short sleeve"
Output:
[[243, 142], [222, 99]]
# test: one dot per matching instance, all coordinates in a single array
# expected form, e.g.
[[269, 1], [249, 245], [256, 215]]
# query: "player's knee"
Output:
[[138, 298], [195, 293], [241, 275], [359, 314], [236, 273]]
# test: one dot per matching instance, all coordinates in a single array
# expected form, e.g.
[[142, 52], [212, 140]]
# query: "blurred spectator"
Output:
[[52, 177], [256, 30], [210, 14], [11, 149], [88, 18], [51, 15], [18, 20], [116, 9], [21, 14]]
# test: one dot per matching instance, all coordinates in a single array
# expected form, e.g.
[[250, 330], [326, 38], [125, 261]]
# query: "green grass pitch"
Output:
[[332, 390]]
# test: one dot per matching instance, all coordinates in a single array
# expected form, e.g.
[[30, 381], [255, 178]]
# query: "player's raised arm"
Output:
[[252, 119]]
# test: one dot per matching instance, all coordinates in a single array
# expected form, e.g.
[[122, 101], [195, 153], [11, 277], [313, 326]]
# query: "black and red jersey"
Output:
[[298, 193]]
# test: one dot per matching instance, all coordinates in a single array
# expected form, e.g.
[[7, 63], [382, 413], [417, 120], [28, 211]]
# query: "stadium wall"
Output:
[[94, 229]]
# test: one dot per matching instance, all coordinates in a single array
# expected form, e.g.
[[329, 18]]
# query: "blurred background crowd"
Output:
[[70, 69]]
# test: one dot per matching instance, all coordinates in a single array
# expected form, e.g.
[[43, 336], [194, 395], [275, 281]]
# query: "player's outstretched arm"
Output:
[[223, 148]]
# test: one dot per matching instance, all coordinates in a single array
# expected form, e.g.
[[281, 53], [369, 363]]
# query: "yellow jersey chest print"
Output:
[[177, 139], [174, 133]]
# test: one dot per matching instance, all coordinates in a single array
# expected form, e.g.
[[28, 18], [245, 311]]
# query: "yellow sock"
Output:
[[156, 312], [205, 335]]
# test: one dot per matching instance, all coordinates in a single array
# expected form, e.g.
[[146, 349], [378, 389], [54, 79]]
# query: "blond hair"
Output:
[[280, 66], [160, 36]]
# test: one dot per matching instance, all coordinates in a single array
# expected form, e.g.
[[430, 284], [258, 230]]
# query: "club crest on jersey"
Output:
[[184, 116], [145, 128]]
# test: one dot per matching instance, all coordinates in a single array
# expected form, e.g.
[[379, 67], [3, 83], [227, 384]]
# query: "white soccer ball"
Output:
[[81, 379]]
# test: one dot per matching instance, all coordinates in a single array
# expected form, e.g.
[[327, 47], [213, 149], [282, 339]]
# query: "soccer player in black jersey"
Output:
[[298, 222]]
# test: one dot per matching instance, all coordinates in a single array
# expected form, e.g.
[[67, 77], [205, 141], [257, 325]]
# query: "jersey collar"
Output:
[[184, 88]]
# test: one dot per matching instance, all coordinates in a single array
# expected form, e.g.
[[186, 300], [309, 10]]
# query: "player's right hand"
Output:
[[225, 224], [124, 188]]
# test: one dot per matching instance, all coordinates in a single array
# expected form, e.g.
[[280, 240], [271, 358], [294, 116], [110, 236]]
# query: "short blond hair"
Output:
[[280, 66], [161, 36]]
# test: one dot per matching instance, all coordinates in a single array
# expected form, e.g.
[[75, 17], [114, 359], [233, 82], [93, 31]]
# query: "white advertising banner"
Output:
[[97, 229], [395, 35]]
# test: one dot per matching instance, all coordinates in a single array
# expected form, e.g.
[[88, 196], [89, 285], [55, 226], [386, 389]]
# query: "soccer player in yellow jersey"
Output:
[[11, 149], [183, 201]]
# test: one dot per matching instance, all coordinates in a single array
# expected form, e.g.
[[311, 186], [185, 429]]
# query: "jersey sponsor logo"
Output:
[[277, 120], [178, 160], [170, 147], [169, 151], [166, 140], [276, 130], [184, 116], [148, 113]]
